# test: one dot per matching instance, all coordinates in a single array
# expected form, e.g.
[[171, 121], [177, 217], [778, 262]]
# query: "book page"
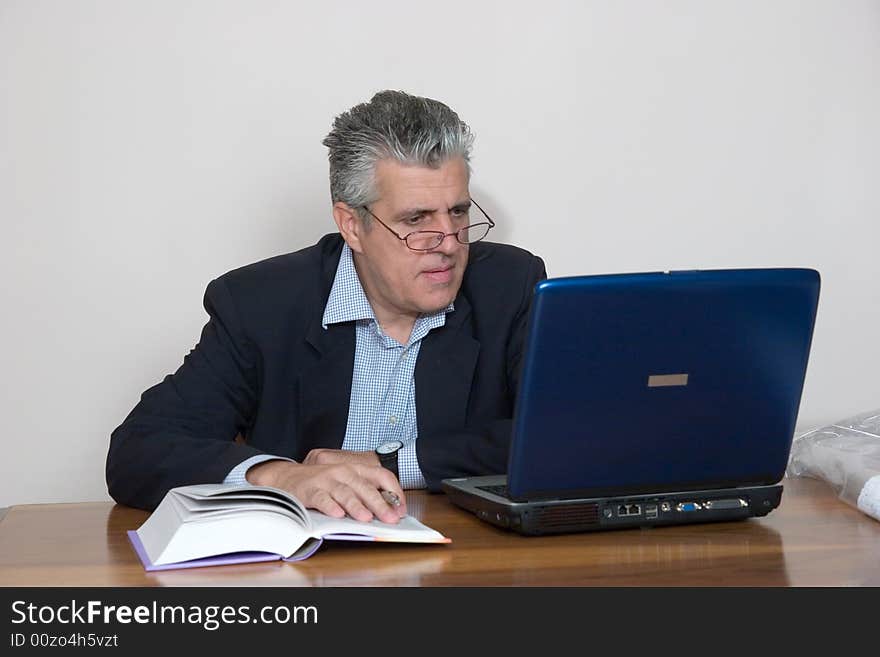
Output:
[[242, 495], [201, 509], [192, 522], [248, 532], [408, 530]]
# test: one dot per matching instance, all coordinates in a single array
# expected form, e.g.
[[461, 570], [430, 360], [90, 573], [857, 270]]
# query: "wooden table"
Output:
[[812, 539]]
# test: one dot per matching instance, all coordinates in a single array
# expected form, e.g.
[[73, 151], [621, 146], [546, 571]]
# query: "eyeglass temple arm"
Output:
[[486, 214]]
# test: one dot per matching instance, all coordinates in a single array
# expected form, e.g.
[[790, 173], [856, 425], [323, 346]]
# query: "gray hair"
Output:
[[410, 129]]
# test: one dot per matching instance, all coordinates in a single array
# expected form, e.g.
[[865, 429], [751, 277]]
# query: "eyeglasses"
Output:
[[428, 240]]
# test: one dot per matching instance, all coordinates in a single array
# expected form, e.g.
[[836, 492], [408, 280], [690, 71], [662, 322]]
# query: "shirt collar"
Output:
[[348, 302]]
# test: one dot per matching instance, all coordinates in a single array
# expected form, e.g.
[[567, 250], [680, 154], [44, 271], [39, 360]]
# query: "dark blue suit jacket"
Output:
[[264, 369]]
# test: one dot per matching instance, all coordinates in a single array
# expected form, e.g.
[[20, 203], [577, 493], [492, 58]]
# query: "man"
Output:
[[383, 357]]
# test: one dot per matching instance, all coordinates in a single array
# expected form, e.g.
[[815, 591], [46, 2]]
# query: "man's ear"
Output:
[[349, 224]]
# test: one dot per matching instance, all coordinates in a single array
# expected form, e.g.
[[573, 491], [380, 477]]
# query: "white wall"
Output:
[[147, 147]]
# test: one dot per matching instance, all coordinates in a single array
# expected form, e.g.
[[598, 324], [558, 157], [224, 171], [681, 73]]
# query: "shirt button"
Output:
[[392, 419]]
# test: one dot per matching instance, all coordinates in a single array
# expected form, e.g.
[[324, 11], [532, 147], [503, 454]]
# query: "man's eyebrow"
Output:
[[412, 212]]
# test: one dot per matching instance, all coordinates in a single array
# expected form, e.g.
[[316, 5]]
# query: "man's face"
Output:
[[401, 282]]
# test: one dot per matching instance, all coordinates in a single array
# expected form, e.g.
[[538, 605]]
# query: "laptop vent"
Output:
[[549, 517]]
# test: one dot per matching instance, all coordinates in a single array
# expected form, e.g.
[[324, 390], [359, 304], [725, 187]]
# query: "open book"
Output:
[[214, 524]]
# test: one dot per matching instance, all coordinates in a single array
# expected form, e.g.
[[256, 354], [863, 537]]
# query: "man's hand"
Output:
[[335, 482], [333, 456]]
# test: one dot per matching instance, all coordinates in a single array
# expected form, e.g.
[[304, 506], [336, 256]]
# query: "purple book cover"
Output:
[[218, 560]]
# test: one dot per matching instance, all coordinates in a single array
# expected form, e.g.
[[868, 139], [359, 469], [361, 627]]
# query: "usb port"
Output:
[[650, 511]]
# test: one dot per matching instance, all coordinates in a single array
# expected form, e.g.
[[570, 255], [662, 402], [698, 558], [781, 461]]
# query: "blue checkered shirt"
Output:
[[383, 390]]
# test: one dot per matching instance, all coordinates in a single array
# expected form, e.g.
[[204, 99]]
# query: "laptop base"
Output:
[[605, 513]]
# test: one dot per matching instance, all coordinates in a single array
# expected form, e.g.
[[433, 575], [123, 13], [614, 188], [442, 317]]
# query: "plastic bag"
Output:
[[846, 454]]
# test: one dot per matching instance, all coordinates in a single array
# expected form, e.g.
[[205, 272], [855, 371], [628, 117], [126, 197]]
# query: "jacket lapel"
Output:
[[325, 383], [325, 387], [444, 372]]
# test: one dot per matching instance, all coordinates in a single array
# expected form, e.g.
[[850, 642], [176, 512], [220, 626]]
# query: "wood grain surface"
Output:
[[812, 539]]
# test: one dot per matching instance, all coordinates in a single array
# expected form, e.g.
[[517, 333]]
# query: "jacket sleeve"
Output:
[[483, 450], [182, 431]]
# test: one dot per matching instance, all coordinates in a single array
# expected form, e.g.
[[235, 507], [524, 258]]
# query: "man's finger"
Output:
[[376, 480], [324, 502], [351, 500]]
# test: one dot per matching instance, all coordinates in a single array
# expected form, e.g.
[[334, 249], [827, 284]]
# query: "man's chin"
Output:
[[438, 302]]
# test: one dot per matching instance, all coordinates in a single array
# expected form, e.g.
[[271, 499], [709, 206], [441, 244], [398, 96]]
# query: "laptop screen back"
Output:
[[636, 383]]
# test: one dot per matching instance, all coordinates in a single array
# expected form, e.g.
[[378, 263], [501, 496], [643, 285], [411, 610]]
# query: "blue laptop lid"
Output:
[[638, 383]]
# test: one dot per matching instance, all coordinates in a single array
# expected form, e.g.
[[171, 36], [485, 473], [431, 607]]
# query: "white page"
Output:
[[409, 529], [201, 509], [224, 494], [260, 531]]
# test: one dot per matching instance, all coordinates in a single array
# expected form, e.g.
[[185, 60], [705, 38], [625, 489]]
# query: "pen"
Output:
[[390, 497]]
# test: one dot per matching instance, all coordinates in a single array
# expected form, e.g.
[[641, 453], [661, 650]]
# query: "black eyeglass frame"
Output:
[[439, 233]]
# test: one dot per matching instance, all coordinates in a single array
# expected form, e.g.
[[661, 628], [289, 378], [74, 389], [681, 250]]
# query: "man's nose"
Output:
[[450, 243], [450, 229]]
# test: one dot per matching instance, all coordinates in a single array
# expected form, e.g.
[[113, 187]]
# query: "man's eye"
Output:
[[458, 213], [412, 221]]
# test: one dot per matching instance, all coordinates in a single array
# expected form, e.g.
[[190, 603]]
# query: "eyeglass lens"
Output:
[[429, 239]]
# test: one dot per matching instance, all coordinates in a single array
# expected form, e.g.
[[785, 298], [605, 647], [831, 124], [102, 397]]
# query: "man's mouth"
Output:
[[439, 274]]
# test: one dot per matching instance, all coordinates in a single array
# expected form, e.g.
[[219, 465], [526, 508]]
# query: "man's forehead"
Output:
[[416, 184]]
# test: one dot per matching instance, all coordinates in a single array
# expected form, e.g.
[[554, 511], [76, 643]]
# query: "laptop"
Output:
[[652, 399]]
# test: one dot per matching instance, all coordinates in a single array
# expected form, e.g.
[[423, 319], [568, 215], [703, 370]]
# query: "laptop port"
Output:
[[733, 503], [625, 510], [650, 511], [687, 506]]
